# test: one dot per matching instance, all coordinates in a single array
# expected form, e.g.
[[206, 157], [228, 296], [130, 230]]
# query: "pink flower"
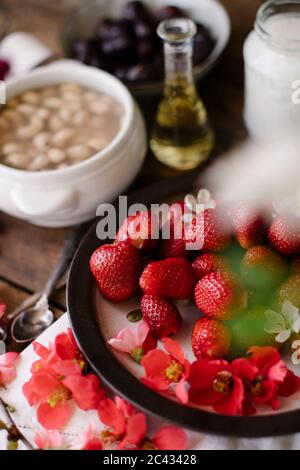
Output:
[[164, 369], [2, 308], [7, 368], [135, 342], [46, 440], [88, 441], [85, 389]]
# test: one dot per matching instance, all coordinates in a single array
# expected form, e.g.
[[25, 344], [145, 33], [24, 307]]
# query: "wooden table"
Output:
[[27, 253]]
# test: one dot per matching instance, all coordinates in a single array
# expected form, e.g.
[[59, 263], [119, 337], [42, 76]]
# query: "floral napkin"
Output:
[[25, 417]]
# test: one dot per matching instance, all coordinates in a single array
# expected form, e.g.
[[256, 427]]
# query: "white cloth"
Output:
[[24, 416]]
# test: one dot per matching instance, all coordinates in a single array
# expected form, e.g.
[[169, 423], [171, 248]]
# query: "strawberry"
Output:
[[284, 235], [161, 316], [290, 290], [248, 225], [210, 339], [218, 294], [208, 262], [172, 277], [262, 268], [116, 269], [207, 231], [247, 329], [172, 248], [139, 231]]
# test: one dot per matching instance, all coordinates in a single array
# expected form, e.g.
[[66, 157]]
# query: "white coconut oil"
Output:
[[272, 69]]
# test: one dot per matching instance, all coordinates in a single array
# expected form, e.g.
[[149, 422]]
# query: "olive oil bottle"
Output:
[[182, 138]]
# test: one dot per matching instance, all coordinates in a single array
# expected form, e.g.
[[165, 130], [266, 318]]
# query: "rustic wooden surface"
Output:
[[27, 253]]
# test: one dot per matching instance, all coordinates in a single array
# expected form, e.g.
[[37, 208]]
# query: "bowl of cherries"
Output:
[[120, 37]]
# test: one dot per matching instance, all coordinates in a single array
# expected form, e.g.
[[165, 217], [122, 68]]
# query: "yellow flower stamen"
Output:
[[223, 382], [60, 395], [174, 372]]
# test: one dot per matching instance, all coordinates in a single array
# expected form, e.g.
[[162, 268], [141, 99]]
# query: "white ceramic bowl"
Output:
[[65, 197]]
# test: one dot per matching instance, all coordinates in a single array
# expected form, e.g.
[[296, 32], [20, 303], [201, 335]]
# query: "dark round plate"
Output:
[[81, 308]]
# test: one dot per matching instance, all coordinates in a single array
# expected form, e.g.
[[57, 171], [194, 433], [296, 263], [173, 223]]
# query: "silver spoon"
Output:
[[30, 301], [31, 322]]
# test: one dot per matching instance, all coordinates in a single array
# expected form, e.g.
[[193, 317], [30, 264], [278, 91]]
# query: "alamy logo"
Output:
[[295, 97], [155, 222]]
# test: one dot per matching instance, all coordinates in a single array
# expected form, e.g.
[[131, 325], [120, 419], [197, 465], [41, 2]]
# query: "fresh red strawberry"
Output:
[[172, 248], [248, 225], [208, 262], [284, 235], [208, 231], [219, 294], [161, 315], [262, 268], [116, 269], [210, 339], [172, 277], [290, 290], [176, 211], [139, 231]]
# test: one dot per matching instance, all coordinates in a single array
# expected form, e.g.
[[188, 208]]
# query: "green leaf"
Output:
[[134, 316]]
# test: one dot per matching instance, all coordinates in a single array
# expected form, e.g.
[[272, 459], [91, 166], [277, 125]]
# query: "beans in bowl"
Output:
[[58, 126]]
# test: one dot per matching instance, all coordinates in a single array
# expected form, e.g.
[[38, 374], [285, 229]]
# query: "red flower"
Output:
[[237, 387], [272, 378], [57, 378], [214, 383], [125, 424], [167, 368]]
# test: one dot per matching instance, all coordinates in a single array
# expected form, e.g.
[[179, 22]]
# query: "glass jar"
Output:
[[272, 69]]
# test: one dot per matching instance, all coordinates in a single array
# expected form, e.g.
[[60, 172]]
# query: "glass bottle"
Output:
[[182, 138]]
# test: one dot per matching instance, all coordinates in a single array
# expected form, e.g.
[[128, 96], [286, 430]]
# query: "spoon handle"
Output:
[[71, 243]]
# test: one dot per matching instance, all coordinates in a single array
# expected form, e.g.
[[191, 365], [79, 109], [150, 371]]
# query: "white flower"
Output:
[[296, 352], [284, 323], [199, 203]]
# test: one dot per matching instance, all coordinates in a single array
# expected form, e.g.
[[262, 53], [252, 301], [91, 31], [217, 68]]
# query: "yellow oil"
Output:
[[182, 138]]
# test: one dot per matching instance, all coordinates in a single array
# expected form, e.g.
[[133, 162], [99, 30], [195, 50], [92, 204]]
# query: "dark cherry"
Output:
[[4, 68], [84, 49], [144, 29], [167, 13], [110, 29], [146, 49], [134, 11]]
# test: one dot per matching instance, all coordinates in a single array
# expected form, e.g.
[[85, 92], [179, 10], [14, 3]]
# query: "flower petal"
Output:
[[181, 392], [85, 390], [112, 416], [142, 333], [8, 359], [155, 362], [283, 336], [48, 439], [136, 429], [275, 322], [53, 417], [170, 438], [174, 349]]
